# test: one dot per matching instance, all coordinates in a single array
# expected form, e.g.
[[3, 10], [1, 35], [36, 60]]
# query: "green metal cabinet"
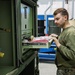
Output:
[[13, 25], [7, 36]]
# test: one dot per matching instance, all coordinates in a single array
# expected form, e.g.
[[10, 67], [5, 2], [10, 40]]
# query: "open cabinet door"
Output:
[[7, 36]]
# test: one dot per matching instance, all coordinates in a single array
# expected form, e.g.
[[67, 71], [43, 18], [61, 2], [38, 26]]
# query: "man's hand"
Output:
[[54, 37]]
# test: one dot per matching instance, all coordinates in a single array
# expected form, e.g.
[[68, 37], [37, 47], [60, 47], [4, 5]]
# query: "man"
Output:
[[65, 54]]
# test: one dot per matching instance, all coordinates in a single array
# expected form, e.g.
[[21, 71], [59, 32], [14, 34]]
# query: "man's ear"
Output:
[[65, 17]]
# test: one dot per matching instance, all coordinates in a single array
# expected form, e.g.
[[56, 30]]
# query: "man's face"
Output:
[[60, 20]]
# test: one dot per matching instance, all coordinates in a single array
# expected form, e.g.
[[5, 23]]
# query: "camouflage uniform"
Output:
[[65, 55], [66, 71]]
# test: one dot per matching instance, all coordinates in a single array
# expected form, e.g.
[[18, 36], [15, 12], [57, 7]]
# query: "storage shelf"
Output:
[[37, 45], [5, 69]]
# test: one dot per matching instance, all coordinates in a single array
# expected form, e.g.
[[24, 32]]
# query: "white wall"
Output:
[[44, 4]]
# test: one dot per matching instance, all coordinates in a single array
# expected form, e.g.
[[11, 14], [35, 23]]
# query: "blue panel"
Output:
[[52, 59], [47, 50], [46, 55], [40, 17]]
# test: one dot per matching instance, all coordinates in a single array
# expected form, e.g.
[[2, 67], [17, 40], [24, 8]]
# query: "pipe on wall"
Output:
[[63, 3], [45, 16], [48, 8], [72, 9]]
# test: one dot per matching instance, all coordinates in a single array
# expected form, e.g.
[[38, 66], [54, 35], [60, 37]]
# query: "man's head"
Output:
[[60, 16]]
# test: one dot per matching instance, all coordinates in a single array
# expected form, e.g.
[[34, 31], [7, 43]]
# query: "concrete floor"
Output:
[[47, 68]]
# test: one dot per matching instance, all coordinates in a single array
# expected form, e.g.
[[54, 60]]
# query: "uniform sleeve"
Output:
[[69, 50]]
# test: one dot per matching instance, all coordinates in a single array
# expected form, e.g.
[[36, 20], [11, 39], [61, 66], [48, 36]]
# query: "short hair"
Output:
[[63, 11]]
